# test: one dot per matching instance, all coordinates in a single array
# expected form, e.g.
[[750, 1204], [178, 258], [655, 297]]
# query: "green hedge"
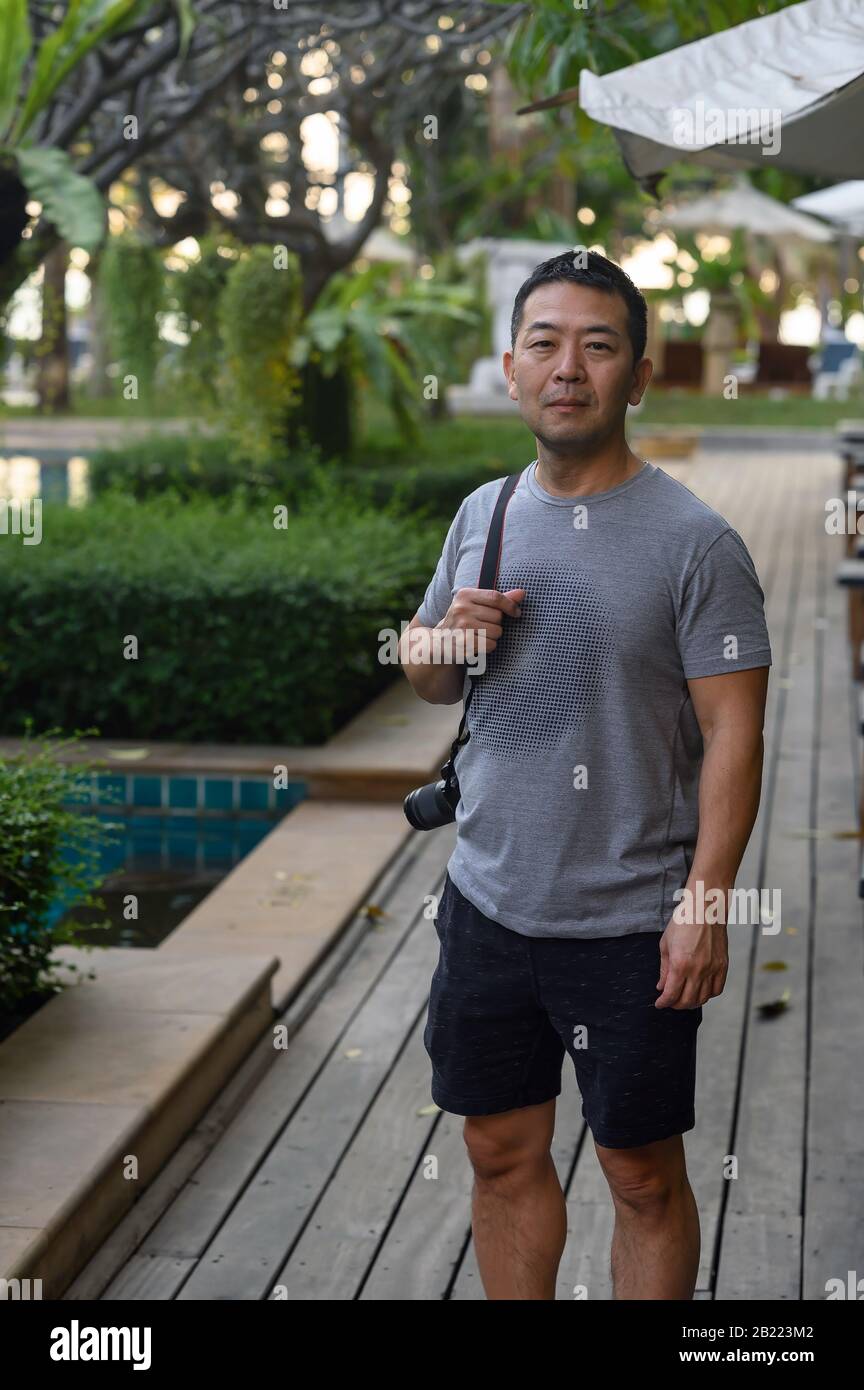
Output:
[[193, 466], [245, 632], [197, 468], [50, 853]]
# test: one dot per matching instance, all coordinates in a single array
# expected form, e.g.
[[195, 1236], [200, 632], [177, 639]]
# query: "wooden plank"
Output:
[[720, 1036], [764, 1257], [330, 1096], [330, 1259], [772, 546], [222, 1162], [768, 1139], [834, 1180]]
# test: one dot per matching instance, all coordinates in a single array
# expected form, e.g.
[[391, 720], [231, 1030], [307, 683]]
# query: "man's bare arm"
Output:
[[731, 714], [437, 684]]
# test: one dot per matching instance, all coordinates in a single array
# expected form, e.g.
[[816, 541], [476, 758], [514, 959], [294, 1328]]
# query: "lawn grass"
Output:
[[749, 410], [506, 443]]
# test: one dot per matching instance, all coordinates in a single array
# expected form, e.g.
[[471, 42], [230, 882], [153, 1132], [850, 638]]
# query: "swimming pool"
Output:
[[178, 836]]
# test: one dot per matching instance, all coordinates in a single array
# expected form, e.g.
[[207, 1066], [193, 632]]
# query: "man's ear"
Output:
[[642, 374], [512, 391]]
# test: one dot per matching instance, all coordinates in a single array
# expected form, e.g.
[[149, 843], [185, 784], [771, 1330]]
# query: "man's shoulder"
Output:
[[479, 504], [681, 509]]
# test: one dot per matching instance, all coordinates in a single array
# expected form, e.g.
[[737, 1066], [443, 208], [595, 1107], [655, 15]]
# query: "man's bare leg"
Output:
[[518, 1213], [656, 1242]]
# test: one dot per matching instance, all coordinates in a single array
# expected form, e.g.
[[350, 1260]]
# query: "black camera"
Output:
[[435, 804]]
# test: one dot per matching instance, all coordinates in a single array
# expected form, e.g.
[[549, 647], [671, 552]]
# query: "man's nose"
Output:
[[570, 365]]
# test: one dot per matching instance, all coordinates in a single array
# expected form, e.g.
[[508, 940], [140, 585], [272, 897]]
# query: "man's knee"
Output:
[[646, 1177], [514, 1139]]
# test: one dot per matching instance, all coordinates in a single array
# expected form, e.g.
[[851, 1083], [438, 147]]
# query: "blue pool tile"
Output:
[[218, 793], [253, 795], [218, 850], [146, 846], [183, 792], [251, 833], [147, 791], [182, 848], [288, 797]]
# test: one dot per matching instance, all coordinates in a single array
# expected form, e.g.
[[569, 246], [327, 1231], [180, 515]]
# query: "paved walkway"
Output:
[[55, 441], [307, 1180]]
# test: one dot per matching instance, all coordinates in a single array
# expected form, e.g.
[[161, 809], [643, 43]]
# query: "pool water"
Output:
[[175, 839]]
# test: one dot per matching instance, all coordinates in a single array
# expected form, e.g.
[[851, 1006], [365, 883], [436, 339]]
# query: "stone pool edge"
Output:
[[122, 1067]]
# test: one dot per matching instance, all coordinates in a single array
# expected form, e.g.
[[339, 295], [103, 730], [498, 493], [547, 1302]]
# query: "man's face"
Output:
[[573, 347]]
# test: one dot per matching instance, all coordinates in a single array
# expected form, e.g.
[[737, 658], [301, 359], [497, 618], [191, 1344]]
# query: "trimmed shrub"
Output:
[[203, 621], [196, 467], [50, 852]]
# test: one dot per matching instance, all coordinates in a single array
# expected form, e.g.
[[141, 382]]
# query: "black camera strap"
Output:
[[488, 579]]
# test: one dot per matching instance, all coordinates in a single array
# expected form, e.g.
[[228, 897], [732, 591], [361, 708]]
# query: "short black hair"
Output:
[[601, 274]]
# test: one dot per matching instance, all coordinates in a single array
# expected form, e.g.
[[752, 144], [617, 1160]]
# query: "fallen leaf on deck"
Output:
[[776, 1006], [429, 1109], [374, 912], [353, 1052]]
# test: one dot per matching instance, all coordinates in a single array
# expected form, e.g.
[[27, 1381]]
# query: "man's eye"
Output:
[[600, 345], [542, 342]]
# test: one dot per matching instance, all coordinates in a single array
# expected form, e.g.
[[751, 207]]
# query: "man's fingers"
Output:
[[491, 598], [672, 989], [474, 615], [682, 992]]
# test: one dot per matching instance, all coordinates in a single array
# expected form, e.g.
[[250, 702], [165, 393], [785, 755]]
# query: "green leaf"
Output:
[[327, 328], [375, 359], [298, 354], [775, 1006], [186, 19], [84, 26], [15, 42], [72, 202]]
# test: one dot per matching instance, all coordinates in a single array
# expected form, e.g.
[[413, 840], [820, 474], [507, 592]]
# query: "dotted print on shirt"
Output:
[[550, 665]]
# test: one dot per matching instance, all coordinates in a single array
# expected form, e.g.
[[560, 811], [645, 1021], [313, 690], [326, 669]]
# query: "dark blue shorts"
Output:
[[504, 1008]]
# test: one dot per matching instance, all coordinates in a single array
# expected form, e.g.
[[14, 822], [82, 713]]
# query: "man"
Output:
[[615, 756]]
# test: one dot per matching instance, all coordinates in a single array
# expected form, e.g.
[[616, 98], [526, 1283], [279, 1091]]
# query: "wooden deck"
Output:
[[308, 1177]]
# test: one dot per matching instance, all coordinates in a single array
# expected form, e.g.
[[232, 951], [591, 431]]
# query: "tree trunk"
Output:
[[325, 413], [53, 351]]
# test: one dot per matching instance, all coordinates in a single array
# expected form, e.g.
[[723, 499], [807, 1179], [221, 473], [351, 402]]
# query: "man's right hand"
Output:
[[482, 611]]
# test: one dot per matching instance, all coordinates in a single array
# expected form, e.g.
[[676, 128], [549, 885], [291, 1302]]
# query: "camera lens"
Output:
[[428, 807]]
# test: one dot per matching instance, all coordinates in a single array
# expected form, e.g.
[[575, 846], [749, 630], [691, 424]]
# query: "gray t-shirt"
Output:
[[579, 784]]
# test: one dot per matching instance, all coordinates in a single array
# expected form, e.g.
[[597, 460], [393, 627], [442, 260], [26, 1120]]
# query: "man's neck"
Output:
[[581, 476]]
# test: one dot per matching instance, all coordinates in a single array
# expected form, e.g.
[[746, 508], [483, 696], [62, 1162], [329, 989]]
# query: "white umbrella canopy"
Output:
[[786, 89], [842, 204], [743, 206]]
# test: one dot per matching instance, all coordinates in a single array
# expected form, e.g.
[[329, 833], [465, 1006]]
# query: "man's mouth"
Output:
[[568, 404]]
